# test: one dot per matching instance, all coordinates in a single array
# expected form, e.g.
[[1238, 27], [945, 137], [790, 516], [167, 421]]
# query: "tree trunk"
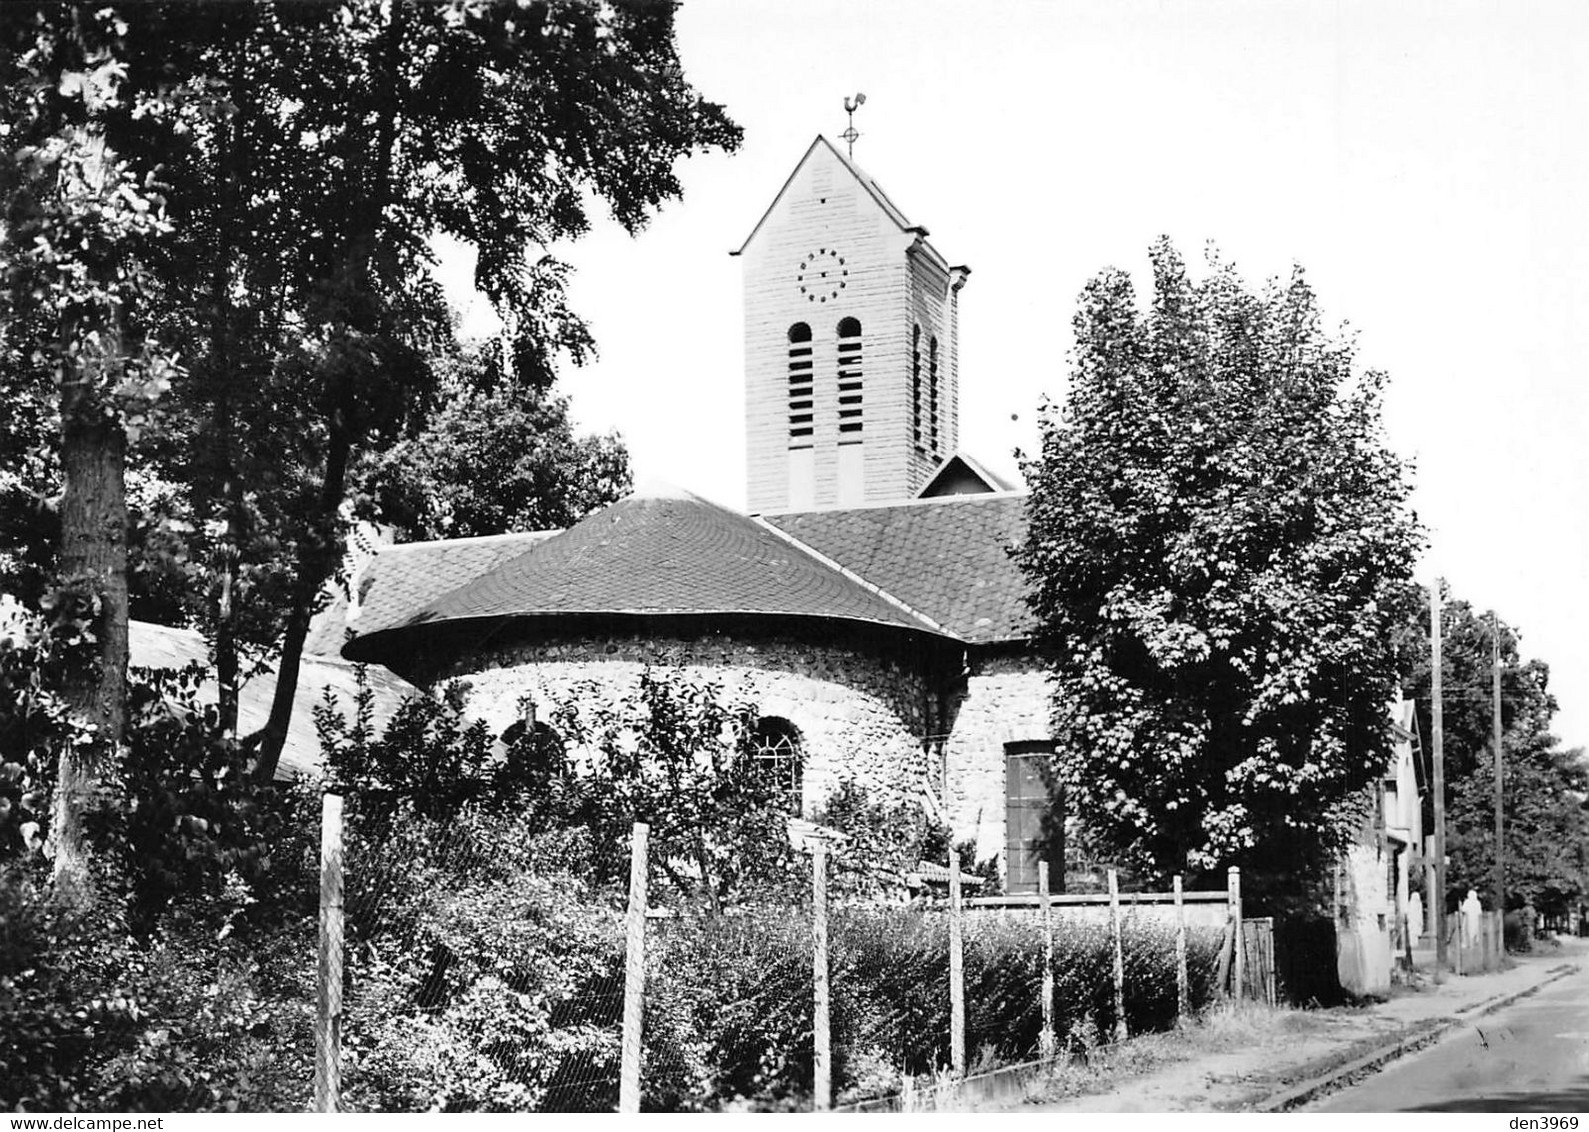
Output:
[[230, 172], [321, 553], [93, 568], [317, 561]]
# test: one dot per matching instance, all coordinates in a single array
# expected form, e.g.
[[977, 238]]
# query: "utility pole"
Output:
[[1437, 727], [1500, 845]]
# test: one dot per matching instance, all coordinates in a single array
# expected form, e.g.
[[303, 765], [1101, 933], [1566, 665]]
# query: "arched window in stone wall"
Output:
[[531, 750], [776, 747], [932, 394]]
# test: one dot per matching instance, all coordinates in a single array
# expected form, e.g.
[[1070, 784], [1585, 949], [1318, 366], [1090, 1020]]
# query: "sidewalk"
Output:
[[1268, 1059]]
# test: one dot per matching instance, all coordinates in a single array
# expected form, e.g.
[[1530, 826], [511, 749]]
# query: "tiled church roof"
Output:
[[938, 566], [946, 557], [403, 579], [654, 554]]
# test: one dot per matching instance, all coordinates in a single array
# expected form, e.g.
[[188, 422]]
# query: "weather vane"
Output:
[[851, 105]]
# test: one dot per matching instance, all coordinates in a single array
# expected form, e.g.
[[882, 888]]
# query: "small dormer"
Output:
[[962, 475]]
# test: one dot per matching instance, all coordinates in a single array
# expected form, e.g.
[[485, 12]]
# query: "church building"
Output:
[[867, 602]]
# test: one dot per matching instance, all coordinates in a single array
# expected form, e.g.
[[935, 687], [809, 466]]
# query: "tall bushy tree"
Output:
[[260, 181], [1218, 548], [1543, 785], [1546, 831], [1467, 648], [82, 222], [362, 129], [496, 456]]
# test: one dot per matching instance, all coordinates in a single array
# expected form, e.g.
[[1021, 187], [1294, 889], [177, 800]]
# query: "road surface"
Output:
[[1532, 1057]]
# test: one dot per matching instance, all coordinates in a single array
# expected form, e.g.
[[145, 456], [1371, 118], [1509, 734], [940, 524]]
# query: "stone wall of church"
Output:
[[1005, 700], [859, 712]]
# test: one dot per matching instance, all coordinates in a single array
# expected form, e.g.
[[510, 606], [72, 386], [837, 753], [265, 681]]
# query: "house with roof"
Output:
[[1380, 916], [867, 601], [323, 678]]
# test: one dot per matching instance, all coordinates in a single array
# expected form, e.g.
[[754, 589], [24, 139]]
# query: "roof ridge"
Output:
[[852, 576], [472, 540], [973, 497]]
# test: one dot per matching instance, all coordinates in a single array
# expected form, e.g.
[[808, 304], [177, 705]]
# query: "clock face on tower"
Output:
[[822, 274]]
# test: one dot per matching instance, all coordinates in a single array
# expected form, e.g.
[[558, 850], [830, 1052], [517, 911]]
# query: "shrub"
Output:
[[735, 997], [97, 1018], [483, 973]]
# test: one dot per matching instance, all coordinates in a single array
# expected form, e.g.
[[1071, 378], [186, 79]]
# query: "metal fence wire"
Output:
[[483, 970]]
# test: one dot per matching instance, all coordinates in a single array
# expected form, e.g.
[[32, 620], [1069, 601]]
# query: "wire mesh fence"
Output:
[[487, 969], [483, 969]]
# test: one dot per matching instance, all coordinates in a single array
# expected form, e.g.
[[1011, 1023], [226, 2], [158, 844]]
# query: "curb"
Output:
[[1408, 1042]]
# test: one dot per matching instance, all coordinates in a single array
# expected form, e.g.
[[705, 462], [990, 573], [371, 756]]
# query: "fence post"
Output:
[[328, 1012], [1046, 1040], [957, 978], [634, 972], [822, 1086], [1120, 962], [1238, 941], [1183, 993]]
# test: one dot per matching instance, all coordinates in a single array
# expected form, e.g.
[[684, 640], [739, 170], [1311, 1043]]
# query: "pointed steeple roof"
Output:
[[822, 146]]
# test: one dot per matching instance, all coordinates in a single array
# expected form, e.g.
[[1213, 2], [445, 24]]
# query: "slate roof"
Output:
[[939, 566], [402, 579], [665, 552], [157, 646], [946, 557]]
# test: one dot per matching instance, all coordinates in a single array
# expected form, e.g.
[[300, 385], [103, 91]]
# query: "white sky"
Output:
[[1428, 164]]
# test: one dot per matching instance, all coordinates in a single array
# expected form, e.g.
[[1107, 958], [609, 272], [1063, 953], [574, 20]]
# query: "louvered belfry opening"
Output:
[[801, 370], [850, 379], [915, 383]]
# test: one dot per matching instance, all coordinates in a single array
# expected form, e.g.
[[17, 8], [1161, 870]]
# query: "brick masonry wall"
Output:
[[859, 712]]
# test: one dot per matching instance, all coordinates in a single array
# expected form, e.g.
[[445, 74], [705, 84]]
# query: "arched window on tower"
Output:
[[915, 382], [849, 376], [800, 384], [932, 394], [775, 745]]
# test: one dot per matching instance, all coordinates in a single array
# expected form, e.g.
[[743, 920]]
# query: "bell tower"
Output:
[[851, 383]]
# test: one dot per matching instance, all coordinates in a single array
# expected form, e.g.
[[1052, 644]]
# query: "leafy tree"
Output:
[[304, 155], [432, 762], [492, 123], [80, 226], [1467, 644], [881, 843], [672, 752], [1545, 828], [1218, 541], [1543, 786], [677, 754], [495, 457]]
